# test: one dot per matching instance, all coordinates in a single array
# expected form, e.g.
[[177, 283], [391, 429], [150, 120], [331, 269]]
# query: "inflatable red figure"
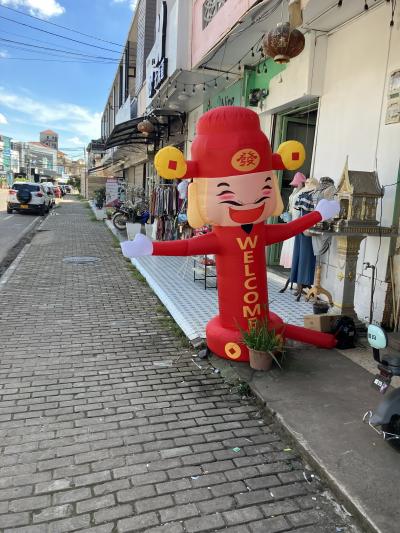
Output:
[[235, 190]]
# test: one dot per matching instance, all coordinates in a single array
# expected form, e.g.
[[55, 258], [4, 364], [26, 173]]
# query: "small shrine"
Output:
[[358, 193]]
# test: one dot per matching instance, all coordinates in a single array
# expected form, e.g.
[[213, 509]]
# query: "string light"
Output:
[[239, 66], [184, 88], [204, 87], [176, 85], [265, 68], [215, 83], [258, 69], [366, 7], [227, 77], [340, 3], [252, 52], [194, 89]]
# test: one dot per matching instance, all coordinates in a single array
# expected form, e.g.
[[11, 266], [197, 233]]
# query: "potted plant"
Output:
[[263, 344]]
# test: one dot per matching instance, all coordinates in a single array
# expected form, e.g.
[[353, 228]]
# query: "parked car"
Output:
[[68, 188], [28, 196], [49, 188]]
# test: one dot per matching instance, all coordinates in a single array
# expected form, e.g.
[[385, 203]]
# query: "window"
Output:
[[26, 187], [210, 9]]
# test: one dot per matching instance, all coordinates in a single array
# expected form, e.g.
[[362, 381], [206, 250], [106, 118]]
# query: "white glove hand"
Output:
[[328, 208], [141, 245]]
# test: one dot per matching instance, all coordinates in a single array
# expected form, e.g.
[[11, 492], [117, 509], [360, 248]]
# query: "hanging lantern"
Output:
[[145, 127], [282, 44]]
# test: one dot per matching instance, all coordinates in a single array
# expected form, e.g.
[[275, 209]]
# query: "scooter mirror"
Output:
[[377, 337]]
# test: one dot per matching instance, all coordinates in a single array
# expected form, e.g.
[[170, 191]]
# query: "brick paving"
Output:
[[107, 426]]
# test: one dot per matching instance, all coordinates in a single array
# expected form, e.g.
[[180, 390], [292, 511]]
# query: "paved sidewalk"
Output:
[[107, 425]]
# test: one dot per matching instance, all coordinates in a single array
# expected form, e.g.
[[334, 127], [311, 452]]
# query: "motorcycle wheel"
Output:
[[120, 220]]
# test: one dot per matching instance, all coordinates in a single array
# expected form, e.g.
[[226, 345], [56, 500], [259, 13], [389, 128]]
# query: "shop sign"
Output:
[[158, 70], [112, 192], [228, 97]]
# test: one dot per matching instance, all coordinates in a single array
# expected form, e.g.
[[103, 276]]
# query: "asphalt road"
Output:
[[12, 227]]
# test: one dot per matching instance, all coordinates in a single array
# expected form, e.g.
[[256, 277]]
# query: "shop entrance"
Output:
[[292, 124]]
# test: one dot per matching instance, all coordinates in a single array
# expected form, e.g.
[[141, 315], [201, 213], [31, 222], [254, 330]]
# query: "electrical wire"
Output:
[[60, 36], [82, 61], [35, 40], [60, 26], [29, 45]]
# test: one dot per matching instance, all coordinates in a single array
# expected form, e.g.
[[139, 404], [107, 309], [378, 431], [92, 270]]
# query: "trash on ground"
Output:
[[308, 477], [236, 449]]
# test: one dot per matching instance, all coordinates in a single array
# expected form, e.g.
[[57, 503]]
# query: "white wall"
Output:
[[303, 78], [178, 38], [351, 122], [124, 112]]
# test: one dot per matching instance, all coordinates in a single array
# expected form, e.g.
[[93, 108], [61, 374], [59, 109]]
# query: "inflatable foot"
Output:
[[309, 336]]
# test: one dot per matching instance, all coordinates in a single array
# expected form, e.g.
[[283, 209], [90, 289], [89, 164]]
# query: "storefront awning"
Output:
[[127, 133]]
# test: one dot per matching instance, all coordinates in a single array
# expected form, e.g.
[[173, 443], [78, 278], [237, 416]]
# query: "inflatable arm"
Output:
[[204, 244], [280, 232]]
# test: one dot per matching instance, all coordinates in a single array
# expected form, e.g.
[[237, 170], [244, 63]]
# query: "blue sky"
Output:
[[67, 97]]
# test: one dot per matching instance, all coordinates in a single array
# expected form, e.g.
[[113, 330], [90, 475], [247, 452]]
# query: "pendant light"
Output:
[[282, 43]]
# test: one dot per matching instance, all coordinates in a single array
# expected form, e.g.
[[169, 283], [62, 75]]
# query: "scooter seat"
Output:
[[392, 363]]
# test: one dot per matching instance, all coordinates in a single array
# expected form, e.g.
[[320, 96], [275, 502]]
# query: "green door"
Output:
[[299, 128]]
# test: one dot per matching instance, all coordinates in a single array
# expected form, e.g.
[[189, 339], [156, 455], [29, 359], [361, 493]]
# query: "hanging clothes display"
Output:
[[326, 190], [168, 213], [288, 245], [164, 206], [303, 263]]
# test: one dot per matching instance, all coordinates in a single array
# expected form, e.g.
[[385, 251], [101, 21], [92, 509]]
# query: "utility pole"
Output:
[[85, 176]]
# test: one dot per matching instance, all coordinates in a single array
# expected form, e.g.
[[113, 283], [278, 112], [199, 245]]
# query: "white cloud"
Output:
[[56, 115], [38, 8], [76, 141], [3, 54], [132, 3], [3, 119]]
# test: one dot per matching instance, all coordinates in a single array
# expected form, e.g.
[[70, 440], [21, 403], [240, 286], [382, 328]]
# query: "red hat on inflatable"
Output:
[[229, 141]]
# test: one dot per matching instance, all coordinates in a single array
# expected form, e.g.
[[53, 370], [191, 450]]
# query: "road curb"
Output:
[[11, 269], [31, 228]]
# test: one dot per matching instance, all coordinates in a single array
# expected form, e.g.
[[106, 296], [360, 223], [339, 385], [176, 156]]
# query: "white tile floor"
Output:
[[171, 278]]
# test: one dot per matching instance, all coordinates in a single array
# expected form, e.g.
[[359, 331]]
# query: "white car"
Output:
[[28, 196], [49, 188]]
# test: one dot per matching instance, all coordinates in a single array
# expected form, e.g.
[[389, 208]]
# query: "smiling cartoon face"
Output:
[[238, 200]]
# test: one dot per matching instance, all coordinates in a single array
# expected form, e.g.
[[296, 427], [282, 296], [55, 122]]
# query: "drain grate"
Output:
[[81, 259]]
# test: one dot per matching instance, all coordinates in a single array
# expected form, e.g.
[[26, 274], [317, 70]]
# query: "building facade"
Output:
[[49, 138], [342, 107]]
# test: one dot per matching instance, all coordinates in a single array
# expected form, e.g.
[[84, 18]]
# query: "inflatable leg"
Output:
[[309, 336]]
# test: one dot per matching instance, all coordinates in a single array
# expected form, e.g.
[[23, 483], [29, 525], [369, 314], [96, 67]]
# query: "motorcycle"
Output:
[[385, 420], [127, 212]]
